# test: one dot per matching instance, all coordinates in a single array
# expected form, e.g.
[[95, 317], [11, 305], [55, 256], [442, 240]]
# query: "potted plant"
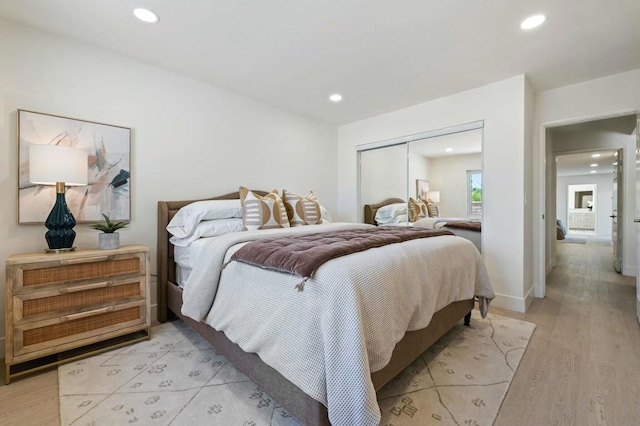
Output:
[[109, 239]]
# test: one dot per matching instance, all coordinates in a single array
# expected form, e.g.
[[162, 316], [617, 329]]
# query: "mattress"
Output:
[[186, 258]]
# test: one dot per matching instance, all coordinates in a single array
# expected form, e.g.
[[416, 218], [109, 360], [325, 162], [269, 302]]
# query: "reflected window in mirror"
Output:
[[474, 193]]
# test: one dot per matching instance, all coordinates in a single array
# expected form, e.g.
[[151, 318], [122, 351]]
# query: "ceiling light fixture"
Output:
[[533, 22], [336, 97], [449, 149], [146, 15], [596, 155], [594, 165]]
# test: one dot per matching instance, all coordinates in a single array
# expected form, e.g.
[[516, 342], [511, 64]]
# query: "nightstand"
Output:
[[61, 307]]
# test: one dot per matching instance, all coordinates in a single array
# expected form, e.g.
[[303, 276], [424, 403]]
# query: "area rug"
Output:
[[176, 378]]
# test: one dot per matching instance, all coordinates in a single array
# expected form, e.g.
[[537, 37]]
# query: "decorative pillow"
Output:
[[393, 220], [387, 213], [417, 209], [259, 212], [325, 215], [184, 223], [302, 210], [210, 228], [432, 209]]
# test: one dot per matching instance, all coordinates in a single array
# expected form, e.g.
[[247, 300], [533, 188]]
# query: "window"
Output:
[[474, 192]]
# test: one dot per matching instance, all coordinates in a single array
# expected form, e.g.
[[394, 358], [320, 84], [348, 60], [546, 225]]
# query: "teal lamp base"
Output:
[[60, 223]]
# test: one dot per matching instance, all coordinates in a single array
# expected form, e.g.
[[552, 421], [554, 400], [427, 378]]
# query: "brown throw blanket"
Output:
[[303, 255], [464, 224]]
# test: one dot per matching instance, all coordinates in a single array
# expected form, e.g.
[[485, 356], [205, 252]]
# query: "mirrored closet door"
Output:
[[441, 168]]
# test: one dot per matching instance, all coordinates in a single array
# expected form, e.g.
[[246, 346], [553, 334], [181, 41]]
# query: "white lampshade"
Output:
[[49, 164], [434, 196]]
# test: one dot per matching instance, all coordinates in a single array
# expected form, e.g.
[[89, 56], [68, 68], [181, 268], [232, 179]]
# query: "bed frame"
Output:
[[371, 209], [297, 403]]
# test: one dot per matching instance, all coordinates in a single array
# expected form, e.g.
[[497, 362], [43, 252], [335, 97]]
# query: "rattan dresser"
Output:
[[64, 306]]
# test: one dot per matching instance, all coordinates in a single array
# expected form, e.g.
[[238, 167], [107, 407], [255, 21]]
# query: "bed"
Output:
[[296, 401], [467, 228]]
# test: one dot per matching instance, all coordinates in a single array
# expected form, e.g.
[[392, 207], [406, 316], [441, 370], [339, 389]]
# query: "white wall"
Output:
[[603, 203], [189, 139], [501, 106], [383, 174], [449, 176], [419, 168]]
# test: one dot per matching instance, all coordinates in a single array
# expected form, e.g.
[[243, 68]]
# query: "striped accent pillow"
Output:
[[302, 210], [432, 209], [417, 210], [266, 212]]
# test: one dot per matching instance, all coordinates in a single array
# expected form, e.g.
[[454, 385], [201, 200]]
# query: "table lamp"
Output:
[[434, 196], [59, 166]]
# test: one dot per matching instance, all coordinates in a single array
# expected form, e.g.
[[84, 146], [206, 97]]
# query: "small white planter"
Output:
[[108, 241]]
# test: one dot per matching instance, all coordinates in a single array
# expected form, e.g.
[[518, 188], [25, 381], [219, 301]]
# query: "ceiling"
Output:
[[381, 55], [580, 164], [468, 142]]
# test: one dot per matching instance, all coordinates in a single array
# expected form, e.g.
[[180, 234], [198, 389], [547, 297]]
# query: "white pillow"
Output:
[[393, 220], [325, 215], [209, 228], [184, 223], [390, 211]]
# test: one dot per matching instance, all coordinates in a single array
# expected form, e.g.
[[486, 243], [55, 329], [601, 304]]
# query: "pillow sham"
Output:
[[184, 223], [432, 209], [417, 209], [388, 212], [259, 212], [302, 210], [209, 228], [325, 216], [393, 220]]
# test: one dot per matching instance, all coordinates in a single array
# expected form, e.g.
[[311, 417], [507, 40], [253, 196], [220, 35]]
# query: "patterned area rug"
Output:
[[176, 378]]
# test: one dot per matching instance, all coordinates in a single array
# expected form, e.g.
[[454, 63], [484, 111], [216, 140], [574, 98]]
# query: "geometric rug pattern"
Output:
[[177, 378]]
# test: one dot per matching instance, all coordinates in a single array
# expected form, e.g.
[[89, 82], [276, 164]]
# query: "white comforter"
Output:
[[328, 338]]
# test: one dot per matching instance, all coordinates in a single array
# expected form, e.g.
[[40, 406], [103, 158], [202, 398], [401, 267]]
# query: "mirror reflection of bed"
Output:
[[425, 180]]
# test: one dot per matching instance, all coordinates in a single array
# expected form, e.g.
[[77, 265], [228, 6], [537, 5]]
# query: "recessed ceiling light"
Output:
[[336, 97], [532, 22], [593, 171], [615, 163], [146, 15], [449, 149], [594, 165], [596, 155]]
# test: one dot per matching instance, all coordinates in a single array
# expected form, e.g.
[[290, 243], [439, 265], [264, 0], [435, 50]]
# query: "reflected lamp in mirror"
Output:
[[434, 196], [59, 166]]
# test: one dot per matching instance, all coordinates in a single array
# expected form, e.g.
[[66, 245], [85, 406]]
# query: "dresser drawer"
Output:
[[70, 298], [29, 277], [70, 330]]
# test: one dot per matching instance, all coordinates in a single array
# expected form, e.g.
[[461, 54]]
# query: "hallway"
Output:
[[582, 366]]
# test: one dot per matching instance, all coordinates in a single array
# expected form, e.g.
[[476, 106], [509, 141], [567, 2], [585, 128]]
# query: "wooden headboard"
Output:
[[166, 262], [371, 209]]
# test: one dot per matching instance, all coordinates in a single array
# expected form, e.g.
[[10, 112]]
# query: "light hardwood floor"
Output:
[[582, 366]]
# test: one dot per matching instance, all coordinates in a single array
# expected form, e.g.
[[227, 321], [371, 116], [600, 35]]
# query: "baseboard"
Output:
[[517, 304], [629, 271], [528, 298]]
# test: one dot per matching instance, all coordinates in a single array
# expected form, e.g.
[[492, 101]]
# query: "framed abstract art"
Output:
[[108, 165]]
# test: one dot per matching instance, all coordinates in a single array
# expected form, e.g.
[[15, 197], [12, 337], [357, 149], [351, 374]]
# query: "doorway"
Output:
[[571, 136]]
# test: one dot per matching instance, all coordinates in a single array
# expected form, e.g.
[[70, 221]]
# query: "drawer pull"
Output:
[[84, 287], [85, 260], [87, 314]]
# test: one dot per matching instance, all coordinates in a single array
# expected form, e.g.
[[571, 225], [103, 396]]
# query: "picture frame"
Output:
[[108, 165], [422, 189]]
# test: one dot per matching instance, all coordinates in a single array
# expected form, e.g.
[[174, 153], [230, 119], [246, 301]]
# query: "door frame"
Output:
[[540, 269]]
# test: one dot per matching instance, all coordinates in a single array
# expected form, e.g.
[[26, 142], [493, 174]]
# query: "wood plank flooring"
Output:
[[582, 366]]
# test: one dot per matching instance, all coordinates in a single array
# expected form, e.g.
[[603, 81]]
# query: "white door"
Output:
[[637, 218], [617, 199]]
